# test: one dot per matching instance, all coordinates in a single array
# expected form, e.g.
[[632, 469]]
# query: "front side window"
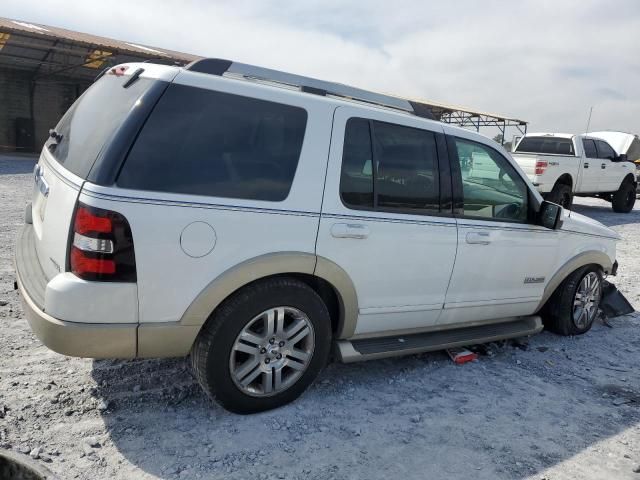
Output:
[[590, 148], [204, 142], [389, 167], [491, 188], [605, 151]]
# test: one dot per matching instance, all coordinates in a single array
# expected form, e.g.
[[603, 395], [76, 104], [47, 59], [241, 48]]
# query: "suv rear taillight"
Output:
[[541, 166], [101, 246]]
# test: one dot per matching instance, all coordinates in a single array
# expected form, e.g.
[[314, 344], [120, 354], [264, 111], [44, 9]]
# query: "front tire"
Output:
[[625, 198], [573, 307], [263, 346]]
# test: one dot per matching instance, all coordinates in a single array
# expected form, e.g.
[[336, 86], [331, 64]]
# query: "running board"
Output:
[[375, 348]]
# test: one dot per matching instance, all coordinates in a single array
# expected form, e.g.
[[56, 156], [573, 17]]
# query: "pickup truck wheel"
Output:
[[625, 198], [264, 346], [573, 307], [561, 194]]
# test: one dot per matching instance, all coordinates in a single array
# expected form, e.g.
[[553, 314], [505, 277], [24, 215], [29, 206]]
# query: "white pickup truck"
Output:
[[563, 165]]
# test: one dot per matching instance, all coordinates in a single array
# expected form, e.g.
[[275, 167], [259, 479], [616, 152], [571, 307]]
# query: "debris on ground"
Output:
[[461, 355]]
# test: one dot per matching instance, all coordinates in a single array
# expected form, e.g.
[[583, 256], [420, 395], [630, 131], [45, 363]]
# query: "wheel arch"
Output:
[[628, 178], [583, 259], [330, 281], [565, 179]]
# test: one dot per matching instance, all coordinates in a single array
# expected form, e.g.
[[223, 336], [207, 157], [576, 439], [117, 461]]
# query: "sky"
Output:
[[547, 62]]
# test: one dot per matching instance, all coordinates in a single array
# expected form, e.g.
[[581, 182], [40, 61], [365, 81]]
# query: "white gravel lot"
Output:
[[563, 408]]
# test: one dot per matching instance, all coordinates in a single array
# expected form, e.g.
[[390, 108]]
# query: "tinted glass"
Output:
[[605, 150], [356, 180], [406, 163], [92, 120], [490, 185], [590, 148], [546, 145], [211, 143]]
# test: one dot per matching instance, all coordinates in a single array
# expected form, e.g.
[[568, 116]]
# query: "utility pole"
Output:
[[589, 121]]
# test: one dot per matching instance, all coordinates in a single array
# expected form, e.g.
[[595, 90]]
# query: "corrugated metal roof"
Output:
[[51, 51], [448, 108], [50, 32]]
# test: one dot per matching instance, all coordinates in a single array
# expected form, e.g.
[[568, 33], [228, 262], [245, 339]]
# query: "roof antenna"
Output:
[[589, 121]]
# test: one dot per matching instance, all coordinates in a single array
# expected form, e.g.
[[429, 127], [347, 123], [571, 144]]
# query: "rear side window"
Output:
[[590, 148], [356, 180], [204, 142], [389, 167], [546, 145], [92, 121], [407, 177], [605, 150]]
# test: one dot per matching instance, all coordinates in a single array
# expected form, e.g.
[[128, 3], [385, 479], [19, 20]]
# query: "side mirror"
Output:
[[622, 158], [550, 215]]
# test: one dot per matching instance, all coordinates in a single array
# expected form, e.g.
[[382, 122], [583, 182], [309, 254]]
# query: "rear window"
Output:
[[546, 145], [92, 120], [204, 142]]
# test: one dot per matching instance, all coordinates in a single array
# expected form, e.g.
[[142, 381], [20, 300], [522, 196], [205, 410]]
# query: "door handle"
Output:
[[604, 165], [479, 238], [349, 230], [586, 165]]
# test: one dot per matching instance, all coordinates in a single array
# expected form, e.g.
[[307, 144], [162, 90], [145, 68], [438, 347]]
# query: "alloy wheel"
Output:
[[586, 300], [272, 351]]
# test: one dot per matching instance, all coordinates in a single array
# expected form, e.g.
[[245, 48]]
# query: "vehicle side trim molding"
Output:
[[242, 274], [580, 260], [347, 296], [275, 264]]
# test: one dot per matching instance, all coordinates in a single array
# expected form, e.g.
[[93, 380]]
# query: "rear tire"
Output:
[[574, 305], [561, 194], [274, 336], [625, 198]]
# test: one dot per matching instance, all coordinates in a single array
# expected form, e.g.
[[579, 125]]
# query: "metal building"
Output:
[[43, 69]]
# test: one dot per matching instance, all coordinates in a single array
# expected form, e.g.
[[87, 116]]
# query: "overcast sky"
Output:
[[546, 62]]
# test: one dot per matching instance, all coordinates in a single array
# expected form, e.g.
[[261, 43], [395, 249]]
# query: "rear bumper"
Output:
[[93, 340], [90, 340]]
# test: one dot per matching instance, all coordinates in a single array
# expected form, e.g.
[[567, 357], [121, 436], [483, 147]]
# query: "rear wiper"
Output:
[[134, 76]]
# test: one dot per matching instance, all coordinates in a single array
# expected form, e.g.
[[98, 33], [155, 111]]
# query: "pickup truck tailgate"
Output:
[[527, 163]]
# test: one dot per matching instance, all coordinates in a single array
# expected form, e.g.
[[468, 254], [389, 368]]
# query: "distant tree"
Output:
[[498, 138], [507, 146]]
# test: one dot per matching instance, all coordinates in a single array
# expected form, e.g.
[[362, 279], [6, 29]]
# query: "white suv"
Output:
[[255, 219]]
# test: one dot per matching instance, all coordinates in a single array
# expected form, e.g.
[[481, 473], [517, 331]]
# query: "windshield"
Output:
[[92, 120], [546, 145]]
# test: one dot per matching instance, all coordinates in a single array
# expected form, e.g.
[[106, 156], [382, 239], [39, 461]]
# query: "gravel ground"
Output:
[[555, 408]]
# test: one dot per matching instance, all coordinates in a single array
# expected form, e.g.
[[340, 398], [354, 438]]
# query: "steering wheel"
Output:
[[509, 211]]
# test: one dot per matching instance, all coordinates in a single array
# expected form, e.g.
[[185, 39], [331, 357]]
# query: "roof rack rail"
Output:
[[218, 66]]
